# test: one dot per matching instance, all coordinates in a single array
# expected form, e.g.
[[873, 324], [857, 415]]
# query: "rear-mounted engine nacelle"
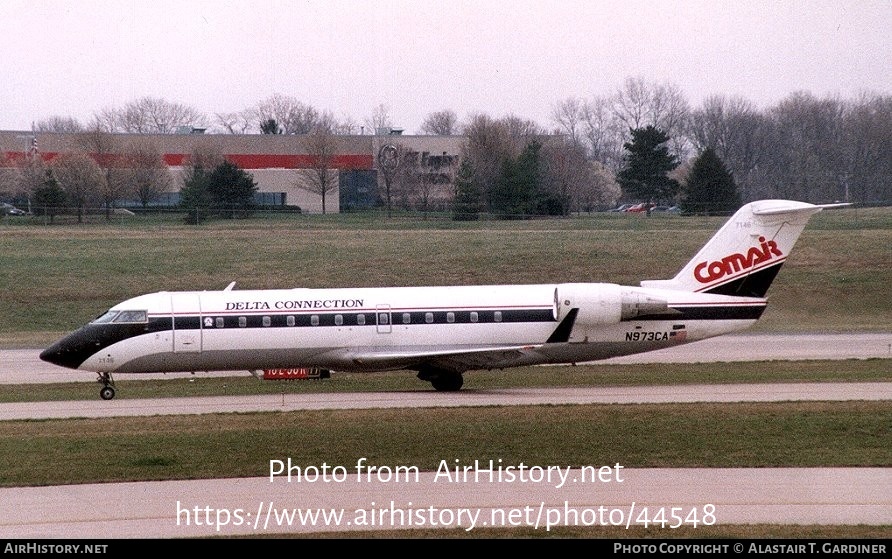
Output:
[[605, 303]]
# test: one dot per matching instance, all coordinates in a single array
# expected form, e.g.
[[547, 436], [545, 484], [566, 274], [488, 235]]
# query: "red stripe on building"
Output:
[[244, 161], [273, 161]]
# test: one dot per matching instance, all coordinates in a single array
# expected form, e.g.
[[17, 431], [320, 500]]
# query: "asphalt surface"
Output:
[[23, 366], [349, 497]]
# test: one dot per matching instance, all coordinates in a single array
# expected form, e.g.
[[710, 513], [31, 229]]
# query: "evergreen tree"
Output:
[[468, 199], [49, 197], [232, 190], [710, 186], [517, 192], [195, 196], [648, 162], [270, 126]]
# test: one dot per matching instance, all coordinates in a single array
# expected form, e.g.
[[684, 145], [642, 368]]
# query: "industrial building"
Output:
[[282, 165]]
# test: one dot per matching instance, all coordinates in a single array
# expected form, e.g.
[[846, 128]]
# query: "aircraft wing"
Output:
[[457, 359]]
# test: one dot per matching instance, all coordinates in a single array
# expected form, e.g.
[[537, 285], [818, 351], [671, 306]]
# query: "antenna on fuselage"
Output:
[[229, 287]]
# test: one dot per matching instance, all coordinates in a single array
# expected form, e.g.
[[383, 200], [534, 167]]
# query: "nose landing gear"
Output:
[[107, 392]]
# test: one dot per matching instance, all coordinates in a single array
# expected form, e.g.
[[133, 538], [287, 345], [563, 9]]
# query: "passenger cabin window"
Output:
[[382, 318], [267, 321], [219, 322], [429, 317], [474, 317], [290, 320], [360, 319], [314, 320], [339, 320], [497, 316], [133, 317], [450, 317], [407, 318], [242, 321]]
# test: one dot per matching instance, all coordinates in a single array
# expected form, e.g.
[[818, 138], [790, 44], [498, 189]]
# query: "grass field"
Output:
[[56, 277]]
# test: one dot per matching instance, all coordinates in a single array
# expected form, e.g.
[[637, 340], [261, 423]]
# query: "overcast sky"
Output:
[[499, 57]]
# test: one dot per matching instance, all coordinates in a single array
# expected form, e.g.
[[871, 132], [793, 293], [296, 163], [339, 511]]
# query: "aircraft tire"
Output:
[[107, 393], [448, 382]]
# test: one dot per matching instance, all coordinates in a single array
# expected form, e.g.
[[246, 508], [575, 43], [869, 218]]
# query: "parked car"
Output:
[[638, 208], [620, 208], [9, 209]]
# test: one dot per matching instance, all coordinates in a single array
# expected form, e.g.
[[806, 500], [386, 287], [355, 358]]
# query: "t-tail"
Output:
[[745, 255]]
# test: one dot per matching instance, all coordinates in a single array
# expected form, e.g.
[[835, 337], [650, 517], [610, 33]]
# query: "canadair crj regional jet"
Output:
[[441, 332]]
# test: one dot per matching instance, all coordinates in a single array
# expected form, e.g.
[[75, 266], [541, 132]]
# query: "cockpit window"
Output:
[[107, 317], [131, 317]]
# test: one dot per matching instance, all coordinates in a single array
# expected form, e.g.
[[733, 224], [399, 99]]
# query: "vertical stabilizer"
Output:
[[745, 255]]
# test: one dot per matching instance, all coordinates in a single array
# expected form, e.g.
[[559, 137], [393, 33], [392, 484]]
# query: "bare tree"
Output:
[[293, 116], [569, 115], [10, 177], [671, 110], [631, 103], [807, 149], [144, 172], [30, 173], [388, 161], [149, 115], [80, 177], [639, 104], [604, 133], [493, 141], [104, 149], [868, 149], [60, 124], [380, 119], [566, 170], [488, 145], [321, 144], [206, 156], [440, 123], [346, 126], [734, 129], [240, 122], [407, 176], [521, 130]]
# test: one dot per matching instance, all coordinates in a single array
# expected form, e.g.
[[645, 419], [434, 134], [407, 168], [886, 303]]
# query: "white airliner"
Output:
[[441, 332]]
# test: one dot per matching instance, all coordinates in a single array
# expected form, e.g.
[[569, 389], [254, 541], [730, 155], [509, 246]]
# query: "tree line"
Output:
[[644, 142]]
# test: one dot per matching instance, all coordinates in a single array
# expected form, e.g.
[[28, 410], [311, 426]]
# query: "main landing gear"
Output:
[[107, 392], [443, 380]]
